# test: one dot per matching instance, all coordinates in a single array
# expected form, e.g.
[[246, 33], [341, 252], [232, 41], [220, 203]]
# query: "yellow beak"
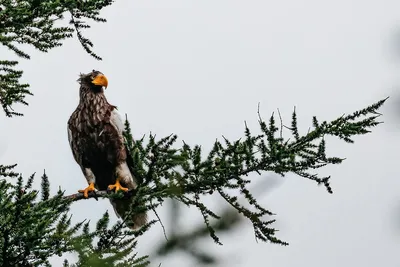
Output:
[[100, 80]]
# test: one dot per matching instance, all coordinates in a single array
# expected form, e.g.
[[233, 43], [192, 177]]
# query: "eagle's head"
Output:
[[94, 80]]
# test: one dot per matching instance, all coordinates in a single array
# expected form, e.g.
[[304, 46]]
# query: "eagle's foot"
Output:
[[87, 190], [117, 186]]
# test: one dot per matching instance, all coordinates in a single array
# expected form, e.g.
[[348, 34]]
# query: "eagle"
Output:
[[96, 137]]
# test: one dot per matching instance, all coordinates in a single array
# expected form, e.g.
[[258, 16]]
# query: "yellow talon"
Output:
[[87, 190], [117, 186]]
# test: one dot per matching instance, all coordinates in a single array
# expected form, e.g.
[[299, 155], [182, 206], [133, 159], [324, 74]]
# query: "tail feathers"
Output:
[[121, 207]]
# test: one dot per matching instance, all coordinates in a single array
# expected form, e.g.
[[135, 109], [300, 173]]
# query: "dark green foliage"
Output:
[[182, 174], [187, 241], [36, 23], [114, 246], [32, 231], [7, 171], [11, 90]]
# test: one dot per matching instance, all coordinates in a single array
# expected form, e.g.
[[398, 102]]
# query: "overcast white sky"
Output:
[[199, 69]]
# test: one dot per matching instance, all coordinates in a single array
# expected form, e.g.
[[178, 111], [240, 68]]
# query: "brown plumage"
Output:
[[95, 133]]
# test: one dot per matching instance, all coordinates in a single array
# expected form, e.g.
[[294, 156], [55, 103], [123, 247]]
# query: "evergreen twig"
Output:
[[36, 23]]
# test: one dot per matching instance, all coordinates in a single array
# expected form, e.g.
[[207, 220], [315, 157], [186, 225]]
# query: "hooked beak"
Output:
[[100, 80]]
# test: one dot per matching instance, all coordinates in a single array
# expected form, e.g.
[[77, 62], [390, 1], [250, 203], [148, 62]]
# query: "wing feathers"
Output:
[[74, 152], [116, 122]]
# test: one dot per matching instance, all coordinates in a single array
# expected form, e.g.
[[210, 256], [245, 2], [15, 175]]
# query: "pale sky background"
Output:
[[199, 69]]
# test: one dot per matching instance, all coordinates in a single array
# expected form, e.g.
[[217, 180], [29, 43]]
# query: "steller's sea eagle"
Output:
[[95, 134]]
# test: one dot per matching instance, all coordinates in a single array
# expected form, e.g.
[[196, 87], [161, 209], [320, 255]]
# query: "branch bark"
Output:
[[101, 194]]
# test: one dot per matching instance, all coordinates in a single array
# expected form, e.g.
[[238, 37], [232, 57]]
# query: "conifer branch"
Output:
[[35, 23], [101, 194], [32, 231], [184, 174]]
